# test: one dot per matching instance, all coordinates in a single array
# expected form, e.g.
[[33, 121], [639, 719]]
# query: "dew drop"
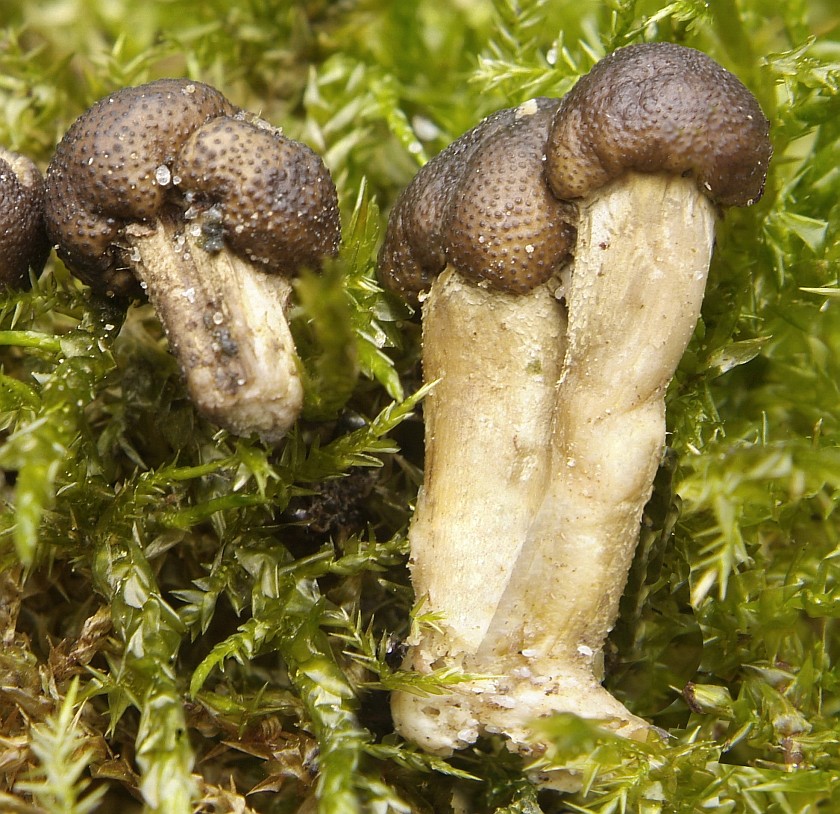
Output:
[[163, 176]]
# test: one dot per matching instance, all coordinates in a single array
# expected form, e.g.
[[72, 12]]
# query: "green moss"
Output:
[[231, 614]]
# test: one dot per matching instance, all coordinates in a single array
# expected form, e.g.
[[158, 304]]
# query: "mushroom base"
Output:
[[528, 628], [527, 689], [226, 325]]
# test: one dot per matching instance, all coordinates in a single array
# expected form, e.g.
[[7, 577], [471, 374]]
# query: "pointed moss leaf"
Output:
[[521, 60], [35, 494], [409, 756], [435, 682], [379, 366], [191, 516], [16, 395], [735, 354], [346, 320], [811, 231], [176, 474], [255, 464], [64, 752], [164, 754], [200, 602], [811, 79], [572, 735], [374, 320], [693, 13], [360, 447], [802, 782], [386, 94], [709, 698], [152, 633], [44, 444], [330, 702], [830, 293], [819, 605], [31, 339], [242, 646]]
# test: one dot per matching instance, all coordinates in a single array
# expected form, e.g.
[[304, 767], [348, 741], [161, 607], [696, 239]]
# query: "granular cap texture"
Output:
[[482, 205], [278, 204], [660, 107], [176, 146], [505, 227], [23, 242], [414, 250], [105, 170]]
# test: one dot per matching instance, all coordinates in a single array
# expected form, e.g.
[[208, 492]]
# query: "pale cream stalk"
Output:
[[226, 323], [496, 360], [634, 295]]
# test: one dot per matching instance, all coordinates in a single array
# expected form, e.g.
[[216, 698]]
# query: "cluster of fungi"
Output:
[[559, 254]]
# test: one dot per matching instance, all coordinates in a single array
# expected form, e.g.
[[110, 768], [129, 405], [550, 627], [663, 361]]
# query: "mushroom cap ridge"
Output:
[[660, 107], [23, 241], [279, 207], [483, 205]]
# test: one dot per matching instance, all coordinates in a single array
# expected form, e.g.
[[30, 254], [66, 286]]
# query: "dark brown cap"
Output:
[[106, 172], [660, 107], [482, 205], [119, 163], [278, 206], [23, 241]]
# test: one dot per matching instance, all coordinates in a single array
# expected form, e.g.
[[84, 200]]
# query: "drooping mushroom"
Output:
[[169, 188], [532, 497], [23, 241]]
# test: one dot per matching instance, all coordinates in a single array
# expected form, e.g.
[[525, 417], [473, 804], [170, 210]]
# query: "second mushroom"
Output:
[[23, 241], [169, 188], [560, 251]]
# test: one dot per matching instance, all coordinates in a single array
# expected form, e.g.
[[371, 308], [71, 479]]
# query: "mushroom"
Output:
[[546, 427], [169, 188], [23, 241]]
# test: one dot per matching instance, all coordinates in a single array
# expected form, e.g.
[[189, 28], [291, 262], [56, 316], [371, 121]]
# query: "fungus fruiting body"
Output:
[[576, 238], [23, 241], [168, 188]]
